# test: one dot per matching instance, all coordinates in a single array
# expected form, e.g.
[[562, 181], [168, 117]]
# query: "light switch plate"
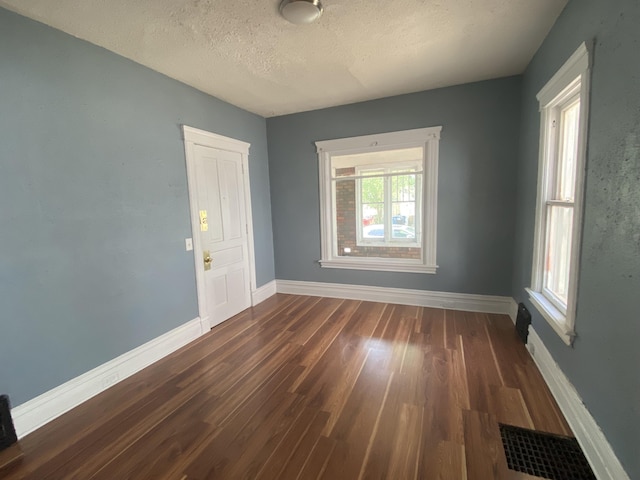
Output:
[[188, 243]]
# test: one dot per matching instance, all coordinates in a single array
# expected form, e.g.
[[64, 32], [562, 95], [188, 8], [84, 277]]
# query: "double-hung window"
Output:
[[379, 201], [563, 109]]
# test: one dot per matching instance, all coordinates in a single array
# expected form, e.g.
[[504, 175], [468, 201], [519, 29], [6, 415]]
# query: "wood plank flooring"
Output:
[[310, 388]]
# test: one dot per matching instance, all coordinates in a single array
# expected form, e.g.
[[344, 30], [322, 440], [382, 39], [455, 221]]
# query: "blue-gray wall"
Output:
[[94, 208], [476, 186], [604, 362], [93, 204]]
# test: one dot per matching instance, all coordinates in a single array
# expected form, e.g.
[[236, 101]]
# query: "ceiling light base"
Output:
[[301, 11]]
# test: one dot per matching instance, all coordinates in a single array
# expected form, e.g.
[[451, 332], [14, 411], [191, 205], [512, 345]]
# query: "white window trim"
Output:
[[576, 69], [428, 139]]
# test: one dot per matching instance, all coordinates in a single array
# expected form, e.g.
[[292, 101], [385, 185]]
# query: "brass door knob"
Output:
[[206, 257]]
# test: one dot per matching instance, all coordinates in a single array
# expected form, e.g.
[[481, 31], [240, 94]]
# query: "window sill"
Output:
[[360, 243], [378, 265], [552, 315]]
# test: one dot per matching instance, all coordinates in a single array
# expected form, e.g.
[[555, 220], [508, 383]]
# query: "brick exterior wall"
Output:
[[347, 222]]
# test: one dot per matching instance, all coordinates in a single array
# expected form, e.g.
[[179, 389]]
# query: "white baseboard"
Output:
[[37, 412], [260, 294], [421, 298], [596, 448]]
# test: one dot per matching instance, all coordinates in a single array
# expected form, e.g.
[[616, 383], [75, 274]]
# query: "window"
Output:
[[379, 201], [388, 202], [563, 109]]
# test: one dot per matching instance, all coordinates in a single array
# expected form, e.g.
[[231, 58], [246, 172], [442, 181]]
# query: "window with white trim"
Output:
[[379, 201], [563, 128]]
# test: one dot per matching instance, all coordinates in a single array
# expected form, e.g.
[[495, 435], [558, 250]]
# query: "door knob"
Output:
[[206, 257]]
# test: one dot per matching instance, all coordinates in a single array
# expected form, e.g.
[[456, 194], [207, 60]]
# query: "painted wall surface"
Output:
[[476, 184], [603, 363], [93, 204]]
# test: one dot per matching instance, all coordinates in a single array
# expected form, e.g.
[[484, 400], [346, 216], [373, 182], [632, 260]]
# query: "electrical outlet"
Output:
[[188, 244], [110, 379]]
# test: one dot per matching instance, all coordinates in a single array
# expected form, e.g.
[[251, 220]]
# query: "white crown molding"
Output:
[[260, 294], [596, 448], [46, 407], [420, 298]]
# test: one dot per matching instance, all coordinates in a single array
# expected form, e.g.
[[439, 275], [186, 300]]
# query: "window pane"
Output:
[[403, 213], [372, 190], [403, 188], [568, 152], [403, 231], [372, 213], [558, 251]]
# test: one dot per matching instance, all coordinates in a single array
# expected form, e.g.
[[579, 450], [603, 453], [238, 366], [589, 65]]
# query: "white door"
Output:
[[223, 232]]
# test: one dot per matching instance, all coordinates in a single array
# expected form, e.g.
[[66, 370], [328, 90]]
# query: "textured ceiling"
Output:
[[243, 52]]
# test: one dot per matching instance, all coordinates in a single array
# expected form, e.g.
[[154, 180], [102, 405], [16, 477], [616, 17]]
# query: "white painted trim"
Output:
[[596, 448], [192, 137], [421, 298], [262, 293], [574, 74], [208, 139], [377, 265], [426, 138], [552, 315], [46, 407], [575, 66], [403, 138]]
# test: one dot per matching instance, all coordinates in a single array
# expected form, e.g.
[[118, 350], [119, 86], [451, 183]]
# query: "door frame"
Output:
[[192, 137]]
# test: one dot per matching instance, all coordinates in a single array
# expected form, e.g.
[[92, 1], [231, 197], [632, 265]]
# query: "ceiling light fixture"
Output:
[[301, 11]]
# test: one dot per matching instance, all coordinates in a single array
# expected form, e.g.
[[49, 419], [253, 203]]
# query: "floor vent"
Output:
[[7, 431], [544, 455]]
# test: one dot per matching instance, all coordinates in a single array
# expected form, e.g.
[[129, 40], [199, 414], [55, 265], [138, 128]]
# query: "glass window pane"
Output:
[[568, 152], [558, 251], [372, 213], [372, 190], [403, 213], [403, 231], [403, 188]]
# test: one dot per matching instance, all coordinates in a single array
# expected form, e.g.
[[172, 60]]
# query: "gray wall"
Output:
[[93, 204], [604, 362], [475, 193]]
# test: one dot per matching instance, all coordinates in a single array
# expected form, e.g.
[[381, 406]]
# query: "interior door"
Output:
[[223, 232]]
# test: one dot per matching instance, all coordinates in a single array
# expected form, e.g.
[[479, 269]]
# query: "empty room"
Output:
[[319, 239]]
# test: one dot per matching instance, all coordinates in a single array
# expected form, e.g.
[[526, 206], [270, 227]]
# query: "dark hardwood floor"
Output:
[[307, 387]]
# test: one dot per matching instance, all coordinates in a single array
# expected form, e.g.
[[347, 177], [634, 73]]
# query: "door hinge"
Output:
[[246, 228]]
